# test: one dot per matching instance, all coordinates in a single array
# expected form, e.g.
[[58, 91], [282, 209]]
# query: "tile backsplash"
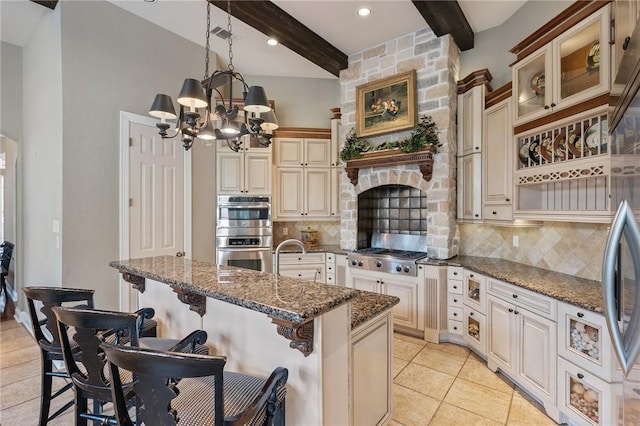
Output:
[[569, 248], [328, 232]]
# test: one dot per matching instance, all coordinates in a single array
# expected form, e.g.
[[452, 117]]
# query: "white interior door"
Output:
[[155, 196], [156, 182]]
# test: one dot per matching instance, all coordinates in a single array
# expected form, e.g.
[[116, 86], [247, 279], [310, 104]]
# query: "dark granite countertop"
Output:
[[567, 288], [286, 298]]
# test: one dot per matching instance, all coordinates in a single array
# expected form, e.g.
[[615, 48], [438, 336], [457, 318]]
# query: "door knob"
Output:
[[181, 254]]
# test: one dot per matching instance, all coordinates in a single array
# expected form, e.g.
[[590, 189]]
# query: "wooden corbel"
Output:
[[136, 281], [301, 335], [197, 302]]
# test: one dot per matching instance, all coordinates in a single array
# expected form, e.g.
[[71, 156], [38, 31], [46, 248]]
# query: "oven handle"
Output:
[[242, 206]]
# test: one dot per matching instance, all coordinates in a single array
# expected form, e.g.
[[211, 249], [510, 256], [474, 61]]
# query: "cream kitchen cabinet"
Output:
[[330, 268], [523, 345], [565, 71], [470, 188], [309, 266], [302, 193], [474, 329], [247, 171], [497, 163], [470, 110], [626, 16], [454, 300], [474, 291], [409, 313], [305, 182]]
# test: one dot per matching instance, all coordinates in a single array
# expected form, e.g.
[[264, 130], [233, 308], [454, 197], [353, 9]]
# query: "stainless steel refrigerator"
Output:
[[621, 264]]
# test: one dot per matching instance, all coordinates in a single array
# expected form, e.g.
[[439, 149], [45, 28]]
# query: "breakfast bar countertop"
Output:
[[286, 298]]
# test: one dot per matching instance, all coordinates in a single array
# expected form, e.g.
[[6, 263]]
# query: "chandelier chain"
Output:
[[230, 35], [207, 48]]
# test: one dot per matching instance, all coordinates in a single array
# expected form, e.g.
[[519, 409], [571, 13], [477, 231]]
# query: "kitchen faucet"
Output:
[[286, 243]]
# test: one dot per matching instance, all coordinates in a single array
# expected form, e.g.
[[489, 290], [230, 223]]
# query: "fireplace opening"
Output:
[[392, 209]]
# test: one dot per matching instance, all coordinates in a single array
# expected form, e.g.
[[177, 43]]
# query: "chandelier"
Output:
[[205, 117]]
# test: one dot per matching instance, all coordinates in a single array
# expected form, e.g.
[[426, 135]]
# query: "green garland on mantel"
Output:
[[425, 133]]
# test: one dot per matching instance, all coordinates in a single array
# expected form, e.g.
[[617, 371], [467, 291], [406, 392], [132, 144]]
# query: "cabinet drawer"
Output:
[[297, 258], [331, 258], [455, 313], [454, 300], [534, 302], [454, 286], [331, 279], [331, 268], [454, 327], [454, 273], [498, 213]]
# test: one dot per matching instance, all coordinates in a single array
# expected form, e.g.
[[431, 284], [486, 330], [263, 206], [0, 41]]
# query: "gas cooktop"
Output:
[[386, 260]]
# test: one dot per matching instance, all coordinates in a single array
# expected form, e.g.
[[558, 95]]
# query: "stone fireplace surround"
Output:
[[435, 60]]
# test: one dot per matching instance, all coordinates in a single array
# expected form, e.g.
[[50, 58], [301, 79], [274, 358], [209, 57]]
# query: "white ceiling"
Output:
[[334, 20]]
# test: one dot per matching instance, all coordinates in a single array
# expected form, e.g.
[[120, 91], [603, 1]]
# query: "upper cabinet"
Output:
[[247, 171], [566, 70], [626, 14]]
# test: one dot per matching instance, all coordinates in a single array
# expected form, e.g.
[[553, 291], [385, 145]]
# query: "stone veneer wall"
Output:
[[436, 61], [569, 248]]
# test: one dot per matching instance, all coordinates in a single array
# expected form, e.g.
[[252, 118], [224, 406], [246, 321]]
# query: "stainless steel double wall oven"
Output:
[[244, 232]]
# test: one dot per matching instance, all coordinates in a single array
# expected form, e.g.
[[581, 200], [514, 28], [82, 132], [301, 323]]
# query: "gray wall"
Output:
[[11, 91], [111, 61], [491, 47], [40, 157], [300, 102]]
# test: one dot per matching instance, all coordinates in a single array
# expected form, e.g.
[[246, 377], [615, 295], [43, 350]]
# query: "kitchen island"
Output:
[[334, 341]]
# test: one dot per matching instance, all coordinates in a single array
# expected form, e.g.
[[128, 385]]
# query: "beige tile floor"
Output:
[[433, 385]]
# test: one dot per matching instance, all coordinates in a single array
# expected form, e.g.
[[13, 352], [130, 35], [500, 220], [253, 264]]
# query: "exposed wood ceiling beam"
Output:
[[446, 17], [51, 4], [274, 22]]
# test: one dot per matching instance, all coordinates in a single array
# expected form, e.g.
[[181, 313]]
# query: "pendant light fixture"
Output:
[[205, 117]]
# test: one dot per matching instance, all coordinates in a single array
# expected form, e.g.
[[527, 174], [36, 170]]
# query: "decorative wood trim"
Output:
[[301, 335], [497, 96], [136, 281], [446, 17], [391, 158], [197, 302], [302, 132], [552, 29], [274, 22], [476, 78], [51, 4], [564, 113]]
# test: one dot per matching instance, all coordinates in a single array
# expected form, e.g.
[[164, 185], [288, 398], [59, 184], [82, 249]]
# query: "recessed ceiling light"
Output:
[[272, 42], [363, 11]]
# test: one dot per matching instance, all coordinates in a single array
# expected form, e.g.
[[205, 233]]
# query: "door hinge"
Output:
[[130, 141]]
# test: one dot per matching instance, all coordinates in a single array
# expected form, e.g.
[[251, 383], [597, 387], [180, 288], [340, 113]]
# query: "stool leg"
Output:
[[45, 391], [81, 408]]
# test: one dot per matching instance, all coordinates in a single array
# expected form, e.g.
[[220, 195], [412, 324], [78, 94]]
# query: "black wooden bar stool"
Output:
[[43, 299], [81, 332], [204, 395]]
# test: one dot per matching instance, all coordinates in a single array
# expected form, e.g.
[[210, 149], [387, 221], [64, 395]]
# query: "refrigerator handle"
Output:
[[624, 222]]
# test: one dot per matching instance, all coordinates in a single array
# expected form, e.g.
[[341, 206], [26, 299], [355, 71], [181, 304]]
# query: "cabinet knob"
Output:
[[470, 314], [580, 314], [455, 328], [455, 286], [378, 281], [455, 273], [515, 296], [547, 107], [510, 310], [494, 212], [455, 300], [580, 376], [381, 282], [553, 105], [516, 312], [471, 275], [455, 314], [507, 199], [477, 148], [625, 44], [476, 215]]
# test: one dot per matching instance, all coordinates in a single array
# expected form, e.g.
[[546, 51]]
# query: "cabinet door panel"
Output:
[[317, 192], [289, 192], [289, 152], [366, 284], [318, 152], [498, 154], [230, 173], [258, 173], [537, 352], [501, 344], [406, 312]]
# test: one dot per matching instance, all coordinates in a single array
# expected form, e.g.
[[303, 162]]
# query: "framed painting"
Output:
[[386, 105]]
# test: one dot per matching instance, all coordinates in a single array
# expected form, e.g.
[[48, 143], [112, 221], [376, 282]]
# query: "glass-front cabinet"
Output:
[[475, 291], [565, 71]]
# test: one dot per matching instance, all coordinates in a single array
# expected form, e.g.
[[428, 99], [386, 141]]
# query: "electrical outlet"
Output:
[[516, 241], [285, 231]]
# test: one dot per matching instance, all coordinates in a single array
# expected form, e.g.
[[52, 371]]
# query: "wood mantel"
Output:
[[423, 158]]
